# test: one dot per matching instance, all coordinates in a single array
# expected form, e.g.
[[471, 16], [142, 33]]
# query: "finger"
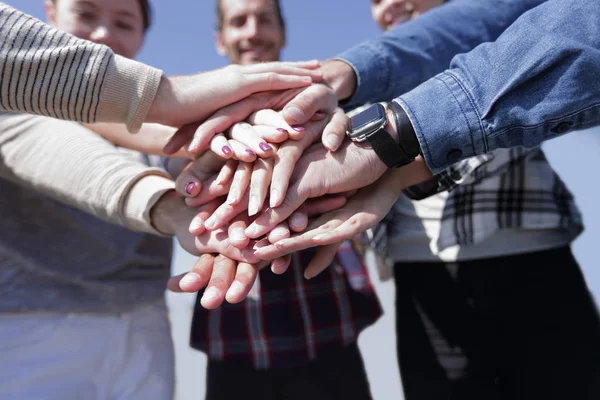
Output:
[[298, 221], [180, 138], [285, 159], [223, 272], [325, 204], [275, 119], [195, 279], [335, 131], [242, 152], [259, 184], [215, 187], [281, 231], [220, 146], [245, 277], [302, 108], [322, 259], [225, 213], [239, 185], [272, 216], [300, 68], [197, 223], [250, 137], [281, 264], [236, 233]]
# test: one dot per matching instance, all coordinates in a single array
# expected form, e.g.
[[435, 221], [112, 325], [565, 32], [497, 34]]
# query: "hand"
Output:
[[186, 99], [315, 99], [224, 278], [363, 211], [172, 217], [320, 172]]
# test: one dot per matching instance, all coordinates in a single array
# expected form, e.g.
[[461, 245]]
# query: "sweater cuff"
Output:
[[128, 92], [143, 195]]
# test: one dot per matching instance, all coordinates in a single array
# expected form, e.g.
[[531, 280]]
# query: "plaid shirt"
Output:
[[505, 189], [290, 320]]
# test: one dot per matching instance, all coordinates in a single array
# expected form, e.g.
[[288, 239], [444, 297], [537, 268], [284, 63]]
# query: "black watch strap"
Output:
[[407, 138], [386, 148]]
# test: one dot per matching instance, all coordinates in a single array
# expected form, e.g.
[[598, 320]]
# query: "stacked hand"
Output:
[[265, 165]]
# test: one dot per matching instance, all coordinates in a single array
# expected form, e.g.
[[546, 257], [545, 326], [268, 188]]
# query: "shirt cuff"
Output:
[[128, 91], [142, 196], [445, 120], [371, 72]]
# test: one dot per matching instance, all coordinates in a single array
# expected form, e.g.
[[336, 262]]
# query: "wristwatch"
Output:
[[369, 126]]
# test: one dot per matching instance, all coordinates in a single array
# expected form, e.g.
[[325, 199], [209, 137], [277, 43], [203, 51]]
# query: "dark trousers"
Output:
[[337, 376], [507, 328]]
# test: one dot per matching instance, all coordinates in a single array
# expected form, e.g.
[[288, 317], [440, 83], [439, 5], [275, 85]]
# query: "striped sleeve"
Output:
[[47, 72]]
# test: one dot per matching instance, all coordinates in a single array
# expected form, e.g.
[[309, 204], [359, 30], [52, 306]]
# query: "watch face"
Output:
[[367, 121]]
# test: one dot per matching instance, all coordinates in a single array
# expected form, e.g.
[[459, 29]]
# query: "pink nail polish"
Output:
[[320, 114], [282, 130], [250, 152], [226, 150], [189, 188], [298, 128], [265, 147]]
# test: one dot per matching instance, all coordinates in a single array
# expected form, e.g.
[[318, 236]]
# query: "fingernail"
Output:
[[210, 222], [189, 188], [265, 147], [251, 230], [195, 224], [235, 289], [274, 198], [293, 113], [189, 279], [231, 198], [250, 152], [298, 128], [252, 205], [297, 220], [307, 275], [238, 235], [210, 293], [320, 114], [194, 144], [226, 150], [282, 130], [333, 141]]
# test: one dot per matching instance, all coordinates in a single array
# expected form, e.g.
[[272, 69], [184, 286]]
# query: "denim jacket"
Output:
[[537, 80]]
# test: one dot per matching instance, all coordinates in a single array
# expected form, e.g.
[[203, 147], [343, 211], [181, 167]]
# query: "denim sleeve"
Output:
[[537, 81], [415, 51]]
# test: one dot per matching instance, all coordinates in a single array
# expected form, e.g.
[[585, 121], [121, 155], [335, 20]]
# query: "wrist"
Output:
[[165, 214], [340, 77]]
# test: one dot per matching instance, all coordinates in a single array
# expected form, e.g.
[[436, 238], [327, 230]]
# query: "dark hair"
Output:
[[220, 15], [146, 13]]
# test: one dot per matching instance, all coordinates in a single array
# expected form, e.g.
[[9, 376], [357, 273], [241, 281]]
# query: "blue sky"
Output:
[[181, 41]]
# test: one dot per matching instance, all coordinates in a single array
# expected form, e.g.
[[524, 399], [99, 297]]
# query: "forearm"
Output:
[[71, 164], [407, 55], [45, 71], [537, 81]]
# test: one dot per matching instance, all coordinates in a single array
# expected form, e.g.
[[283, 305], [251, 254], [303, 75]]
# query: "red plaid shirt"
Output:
[[291, 321]]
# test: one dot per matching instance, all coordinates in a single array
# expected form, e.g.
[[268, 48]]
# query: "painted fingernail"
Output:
[[250, 152], [298, 128], [189, 188], [195, 224], [265, 147], [226, 150], [282, 130]]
